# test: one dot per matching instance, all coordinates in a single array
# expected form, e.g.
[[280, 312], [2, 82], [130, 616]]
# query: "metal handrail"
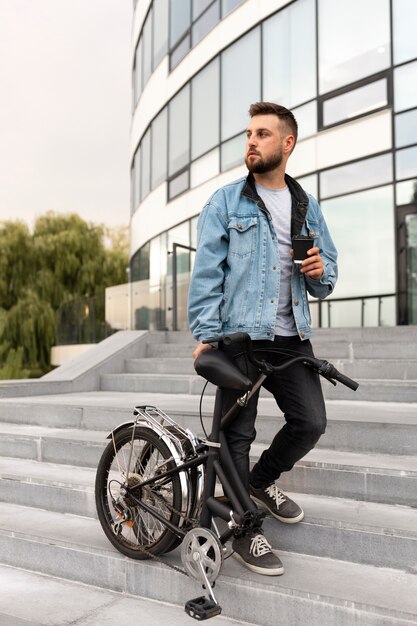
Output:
[[362, 299]]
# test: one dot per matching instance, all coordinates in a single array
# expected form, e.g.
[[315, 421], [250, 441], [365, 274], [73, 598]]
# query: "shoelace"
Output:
[[259, 546], [277, 495]]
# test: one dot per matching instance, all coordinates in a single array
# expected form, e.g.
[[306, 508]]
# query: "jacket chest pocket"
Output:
[[242, 235]]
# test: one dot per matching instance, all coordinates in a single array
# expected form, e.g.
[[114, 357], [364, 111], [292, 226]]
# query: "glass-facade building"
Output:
[[348, 70]]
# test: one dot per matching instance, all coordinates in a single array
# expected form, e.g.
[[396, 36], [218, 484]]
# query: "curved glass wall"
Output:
[[340, 73]]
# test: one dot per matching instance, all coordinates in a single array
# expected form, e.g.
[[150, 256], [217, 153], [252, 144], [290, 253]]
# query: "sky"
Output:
[[65, 109]]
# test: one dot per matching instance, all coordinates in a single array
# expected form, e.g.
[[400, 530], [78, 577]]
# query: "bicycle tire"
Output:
[[144, 535]]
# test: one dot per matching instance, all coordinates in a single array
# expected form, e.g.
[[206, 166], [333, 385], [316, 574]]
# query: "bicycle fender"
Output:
[[119, 428]]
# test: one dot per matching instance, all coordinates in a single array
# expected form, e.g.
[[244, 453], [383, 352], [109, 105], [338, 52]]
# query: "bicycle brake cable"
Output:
[[200, 410]]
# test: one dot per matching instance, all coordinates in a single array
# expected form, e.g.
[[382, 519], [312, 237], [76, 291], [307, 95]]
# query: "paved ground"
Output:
[[28, 599]]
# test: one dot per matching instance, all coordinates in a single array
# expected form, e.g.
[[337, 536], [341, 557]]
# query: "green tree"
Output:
[[63, 259]]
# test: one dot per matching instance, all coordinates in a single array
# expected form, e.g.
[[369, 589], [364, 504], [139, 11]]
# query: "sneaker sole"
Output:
[[277, 571], [286, 520]]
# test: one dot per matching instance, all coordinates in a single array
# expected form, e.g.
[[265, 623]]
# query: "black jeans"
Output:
[[297, 391]]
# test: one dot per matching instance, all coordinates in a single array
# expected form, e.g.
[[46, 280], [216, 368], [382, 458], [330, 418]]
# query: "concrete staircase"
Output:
[[352, 561]]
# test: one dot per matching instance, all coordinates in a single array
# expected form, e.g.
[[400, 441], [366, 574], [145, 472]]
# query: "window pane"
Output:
[[405, 92], [362, 227], [239, 62], [199, 6], [355, 102], [205, 23], [306, 117], [178, 185], [367, 173], [229, 5], [138, 71], [406, 128], [406, 163], [352, 42], [404, 25], [233, 152], [179, 131], [180, 20], [309, 184], [159, 148], [407, 192], [146, 164], [289, 75], [160, 30], [137, 178], [180, 51], [147, 48], [205, 110]]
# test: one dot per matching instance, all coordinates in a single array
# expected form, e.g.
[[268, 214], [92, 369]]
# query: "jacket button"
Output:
[[240, 227], [274, 267], [302, 335], [296, 302]]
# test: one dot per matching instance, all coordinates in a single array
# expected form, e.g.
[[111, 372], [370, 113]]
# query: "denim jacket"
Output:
[[236, 276]]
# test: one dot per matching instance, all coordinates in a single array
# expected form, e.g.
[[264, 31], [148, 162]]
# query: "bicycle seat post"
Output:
[[210, 482]]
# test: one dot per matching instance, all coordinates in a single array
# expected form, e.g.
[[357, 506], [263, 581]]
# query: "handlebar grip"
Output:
[[345, 380], [240, 337]]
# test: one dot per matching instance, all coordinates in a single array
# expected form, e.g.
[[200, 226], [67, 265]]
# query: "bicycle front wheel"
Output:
[[126, 462]]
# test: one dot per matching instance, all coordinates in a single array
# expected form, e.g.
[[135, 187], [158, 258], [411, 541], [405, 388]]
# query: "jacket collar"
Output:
[[298, 195]]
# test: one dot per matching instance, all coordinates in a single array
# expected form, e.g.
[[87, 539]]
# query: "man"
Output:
[[244, 280]]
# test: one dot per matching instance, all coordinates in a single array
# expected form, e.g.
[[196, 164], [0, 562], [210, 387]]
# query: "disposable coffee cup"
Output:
[[300, 245]]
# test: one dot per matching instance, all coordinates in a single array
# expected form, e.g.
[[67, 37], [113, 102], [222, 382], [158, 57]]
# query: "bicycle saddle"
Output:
[[217, 368]]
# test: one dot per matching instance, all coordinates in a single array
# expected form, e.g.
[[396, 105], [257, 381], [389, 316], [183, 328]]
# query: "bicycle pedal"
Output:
[[202, 608]]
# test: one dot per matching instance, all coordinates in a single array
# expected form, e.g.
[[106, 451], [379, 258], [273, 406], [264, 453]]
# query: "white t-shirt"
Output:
[[278, 203]]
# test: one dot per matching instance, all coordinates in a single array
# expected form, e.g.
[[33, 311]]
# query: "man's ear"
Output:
[[289, 143]]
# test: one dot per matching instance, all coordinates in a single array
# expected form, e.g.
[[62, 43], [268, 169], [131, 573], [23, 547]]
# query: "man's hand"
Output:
[[313, 266], [201, 347]]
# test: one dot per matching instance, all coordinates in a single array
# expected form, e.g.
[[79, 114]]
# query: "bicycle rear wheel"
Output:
[[133, 531]]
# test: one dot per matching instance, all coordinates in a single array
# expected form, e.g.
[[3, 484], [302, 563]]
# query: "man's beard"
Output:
[[262, 166]]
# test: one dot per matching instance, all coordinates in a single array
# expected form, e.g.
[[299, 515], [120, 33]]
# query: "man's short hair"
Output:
[[283, 114]]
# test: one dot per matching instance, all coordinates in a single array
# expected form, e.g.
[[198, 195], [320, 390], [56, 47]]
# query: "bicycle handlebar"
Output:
[[322, 367]]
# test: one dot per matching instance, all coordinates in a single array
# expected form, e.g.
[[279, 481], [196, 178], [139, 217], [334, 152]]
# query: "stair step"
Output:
[[369, 390], [386, 478], [27, 596], [313, 590], [332, 526]]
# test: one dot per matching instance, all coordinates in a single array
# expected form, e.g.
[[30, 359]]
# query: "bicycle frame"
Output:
[[219, 465]]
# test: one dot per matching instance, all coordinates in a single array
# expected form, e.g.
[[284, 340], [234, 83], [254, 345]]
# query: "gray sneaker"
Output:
[[255, 553], [277, 503]]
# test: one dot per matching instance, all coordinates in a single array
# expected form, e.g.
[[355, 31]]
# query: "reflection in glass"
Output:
[[406, 163], [180, 20], [178, 185], [407, 192], [405, 92], [353, 43], [137, 177], [306, 117], [146, 165], [205, 23], [404, 26], [179, 130], [147, 48], [239, 62], [362, 228], [160, 30], [289, 69], [159, 148], [205, 110], [411, 243], [406, 128], [359, 175], [356, 102], [232, 152]]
